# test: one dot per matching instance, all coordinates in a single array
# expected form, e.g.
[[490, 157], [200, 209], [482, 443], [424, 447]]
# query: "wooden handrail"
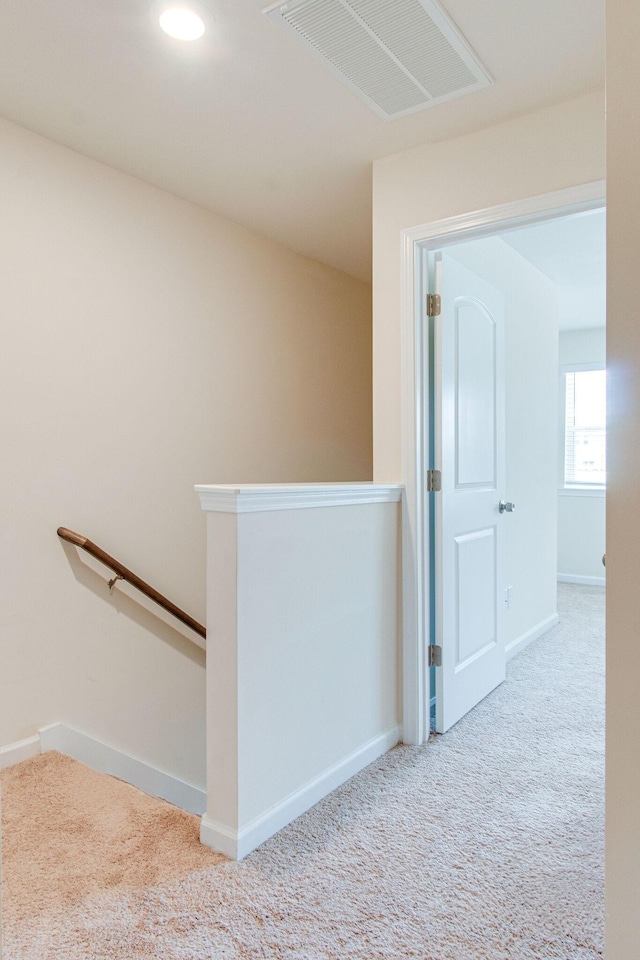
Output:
[[122, 573]]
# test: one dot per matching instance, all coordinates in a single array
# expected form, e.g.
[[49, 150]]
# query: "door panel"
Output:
[[475, 587], [476, 394], [469, 451]]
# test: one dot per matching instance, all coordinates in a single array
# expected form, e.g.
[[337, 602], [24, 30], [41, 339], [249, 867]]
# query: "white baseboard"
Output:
[[19, 751], [526, 638], [236, 844], [105, 759], [575, 578]]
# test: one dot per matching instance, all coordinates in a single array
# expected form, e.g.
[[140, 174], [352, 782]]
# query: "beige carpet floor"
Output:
[[485, 844]]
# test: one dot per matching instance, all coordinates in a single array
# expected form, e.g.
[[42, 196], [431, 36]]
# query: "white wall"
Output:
[[531, 363], [303, 649], [582, 346], [623, 488], [530, 155], [581, 538], [583, 305], [146, 345], [581, 517]]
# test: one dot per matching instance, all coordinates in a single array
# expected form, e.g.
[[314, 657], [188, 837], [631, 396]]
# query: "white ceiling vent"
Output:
[[399, 56]]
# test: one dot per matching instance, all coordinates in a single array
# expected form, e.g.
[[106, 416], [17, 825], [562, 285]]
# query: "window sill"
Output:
[[582, 491]]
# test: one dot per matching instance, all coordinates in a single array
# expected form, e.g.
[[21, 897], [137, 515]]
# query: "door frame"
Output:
[[417, 243]]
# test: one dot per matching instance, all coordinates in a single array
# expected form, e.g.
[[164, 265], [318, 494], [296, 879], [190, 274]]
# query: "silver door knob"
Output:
[[506, 506]]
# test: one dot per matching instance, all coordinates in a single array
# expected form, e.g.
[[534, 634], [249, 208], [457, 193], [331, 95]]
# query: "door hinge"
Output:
[[433, 304], [435, 655], [434, 481]]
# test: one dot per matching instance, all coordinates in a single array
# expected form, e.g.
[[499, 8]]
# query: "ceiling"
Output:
[[568, 250], [245, 123], [571, 251]]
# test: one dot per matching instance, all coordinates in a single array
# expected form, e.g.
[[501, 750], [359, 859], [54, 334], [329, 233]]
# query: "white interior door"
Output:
[[469, 451]]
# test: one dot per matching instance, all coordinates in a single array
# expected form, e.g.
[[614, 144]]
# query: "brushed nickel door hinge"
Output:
[[433, 304], [435, 655], [434, 481]]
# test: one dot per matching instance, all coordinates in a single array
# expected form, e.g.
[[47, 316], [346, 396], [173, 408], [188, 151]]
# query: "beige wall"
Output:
[[552, 149], [544, 151], [623, 490], [146, 345]]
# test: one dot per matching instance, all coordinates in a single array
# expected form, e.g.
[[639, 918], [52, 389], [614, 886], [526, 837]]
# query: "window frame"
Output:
[[564, 488]]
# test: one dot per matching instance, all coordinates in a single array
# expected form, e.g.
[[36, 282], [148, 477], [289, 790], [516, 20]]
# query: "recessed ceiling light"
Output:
[[182, 23]]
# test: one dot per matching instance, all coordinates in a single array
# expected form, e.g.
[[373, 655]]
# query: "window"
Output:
[[585, 428]]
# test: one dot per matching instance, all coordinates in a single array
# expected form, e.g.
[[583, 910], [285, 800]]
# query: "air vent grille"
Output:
[[398, 55]]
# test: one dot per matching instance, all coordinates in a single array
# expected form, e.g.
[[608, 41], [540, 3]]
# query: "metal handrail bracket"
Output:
[[123, 573]]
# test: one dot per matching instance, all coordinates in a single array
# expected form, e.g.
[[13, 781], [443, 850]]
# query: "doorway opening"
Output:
[[545, 257]]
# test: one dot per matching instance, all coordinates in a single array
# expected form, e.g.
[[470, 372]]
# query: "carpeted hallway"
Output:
[[485, 844]]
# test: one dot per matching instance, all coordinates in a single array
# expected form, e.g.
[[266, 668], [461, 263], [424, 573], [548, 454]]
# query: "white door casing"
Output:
[[417, 241], [470, 530]]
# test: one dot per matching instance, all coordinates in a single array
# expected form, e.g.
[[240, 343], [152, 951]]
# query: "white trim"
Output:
[[582, 367], [517, 645], [582, 491], [519, 213], [253, 498], [415, 552], [17, 752], [220, 838], [586, 581], [106, 759], [415, 242], [238, 843]]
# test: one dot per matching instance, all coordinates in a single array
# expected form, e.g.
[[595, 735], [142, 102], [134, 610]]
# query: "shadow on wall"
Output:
[[150, 618]]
